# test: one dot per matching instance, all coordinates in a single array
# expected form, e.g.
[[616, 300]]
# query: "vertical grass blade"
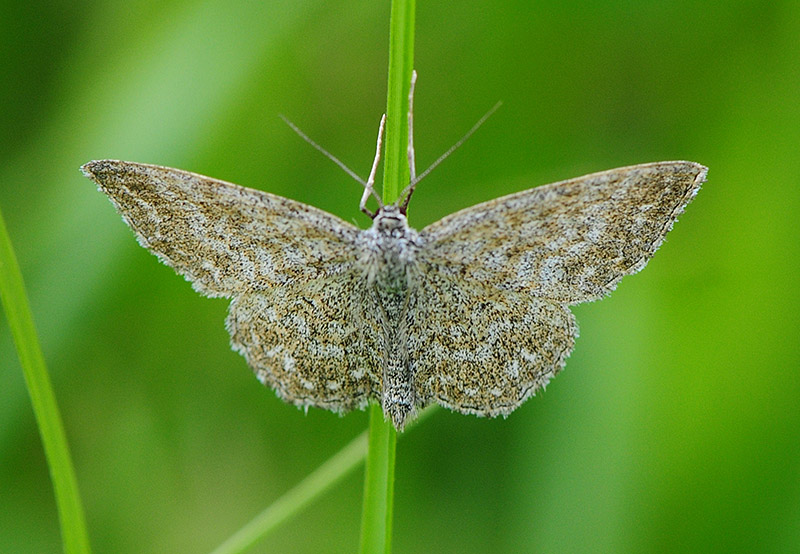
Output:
[[51, 429], [376, 516], [401, 64]]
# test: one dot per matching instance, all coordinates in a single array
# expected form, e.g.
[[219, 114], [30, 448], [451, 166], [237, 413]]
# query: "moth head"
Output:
[[390, 220]]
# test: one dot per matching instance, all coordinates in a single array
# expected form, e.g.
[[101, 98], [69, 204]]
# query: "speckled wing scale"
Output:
[[471, 312]]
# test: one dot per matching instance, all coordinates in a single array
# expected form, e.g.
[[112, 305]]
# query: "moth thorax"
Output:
[[391, 277]]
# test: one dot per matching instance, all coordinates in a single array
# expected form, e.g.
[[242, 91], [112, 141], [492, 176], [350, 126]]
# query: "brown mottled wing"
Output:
[[490, 321], [481, 350], [570, 241], [298, 314], [224, 238], [316, 343]]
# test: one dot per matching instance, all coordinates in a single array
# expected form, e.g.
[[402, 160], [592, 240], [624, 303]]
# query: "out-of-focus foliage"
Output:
[[675, 425]]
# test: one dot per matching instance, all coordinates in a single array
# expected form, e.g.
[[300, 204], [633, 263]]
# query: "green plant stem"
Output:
[[401, 64], [320, 480], [376, 516], [301, 495], [20, 320]]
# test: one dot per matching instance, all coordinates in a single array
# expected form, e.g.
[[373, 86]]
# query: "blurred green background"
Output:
[[675, 426]]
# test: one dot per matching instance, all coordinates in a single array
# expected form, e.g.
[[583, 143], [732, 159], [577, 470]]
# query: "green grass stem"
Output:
[[301, 495], [376, 515], [315, 484], [20, 321]]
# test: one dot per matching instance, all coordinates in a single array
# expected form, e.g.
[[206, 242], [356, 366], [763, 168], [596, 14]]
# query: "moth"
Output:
[[471, 312]]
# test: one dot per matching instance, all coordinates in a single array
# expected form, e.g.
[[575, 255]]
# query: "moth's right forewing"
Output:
[[570, 241], [224, 238]]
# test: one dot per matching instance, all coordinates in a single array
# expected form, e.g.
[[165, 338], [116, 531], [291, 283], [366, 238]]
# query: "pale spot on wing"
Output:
[[512, 369]]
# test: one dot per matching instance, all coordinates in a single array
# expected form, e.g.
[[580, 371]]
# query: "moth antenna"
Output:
[[412, 185], [327, 154]]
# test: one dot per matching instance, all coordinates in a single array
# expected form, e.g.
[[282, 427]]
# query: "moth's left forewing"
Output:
[[570, 241]]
